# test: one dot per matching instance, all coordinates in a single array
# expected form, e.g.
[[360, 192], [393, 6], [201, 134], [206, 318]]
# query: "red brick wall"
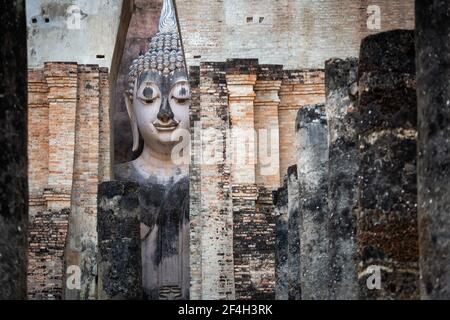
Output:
[[68, 142], [37, 136], [62, 97]]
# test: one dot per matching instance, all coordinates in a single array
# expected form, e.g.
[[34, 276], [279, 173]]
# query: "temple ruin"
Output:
[[180, 150]]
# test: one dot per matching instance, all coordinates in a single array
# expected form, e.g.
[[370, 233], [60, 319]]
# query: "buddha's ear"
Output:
[[134, 126]]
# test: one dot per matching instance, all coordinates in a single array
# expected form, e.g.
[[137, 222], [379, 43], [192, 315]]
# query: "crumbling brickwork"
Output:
[[212, 268], [47, 240], [251, 106], [68, 141]]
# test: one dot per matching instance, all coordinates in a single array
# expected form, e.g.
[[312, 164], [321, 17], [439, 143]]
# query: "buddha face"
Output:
[[159, 108]]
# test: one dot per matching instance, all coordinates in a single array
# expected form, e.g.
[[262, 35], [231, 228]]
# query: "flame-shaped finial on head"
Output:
[[168, 20]]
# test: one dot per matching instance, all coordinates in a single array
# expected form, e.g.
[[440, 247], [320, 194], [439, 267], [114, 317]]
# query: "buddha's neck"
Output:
[[160, 166]]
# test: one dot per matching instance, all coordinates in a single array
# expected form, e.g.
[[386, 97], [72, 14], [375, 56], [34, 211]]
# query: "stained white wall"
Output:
[[62, 38]]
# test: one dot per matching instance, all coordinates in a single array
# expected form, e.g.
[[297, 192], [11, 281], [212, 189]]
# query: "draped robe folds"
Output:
[[164, 234]]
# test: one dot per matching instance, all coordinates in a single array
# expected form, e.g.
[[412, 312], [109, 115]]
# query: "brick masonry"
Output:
[[297, 34], [231, 199], [212, 267], [68, 144]]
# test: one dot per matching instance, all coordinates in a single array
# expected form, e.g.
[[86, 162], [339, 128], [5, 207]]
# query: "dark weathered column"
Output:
[[341, 108], [312, 162], [119, 240], [13, 154], [433, 88], [387, 218], [293, 235], [280, 200]]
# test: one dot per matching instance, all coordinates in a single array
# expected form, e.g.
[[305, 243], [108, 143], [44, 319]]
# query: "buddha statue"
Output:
[[158, 102]]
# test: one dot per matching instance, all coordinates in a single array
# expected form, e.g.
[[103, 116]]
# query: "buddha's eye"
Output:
[[181, 93], [149, 95]]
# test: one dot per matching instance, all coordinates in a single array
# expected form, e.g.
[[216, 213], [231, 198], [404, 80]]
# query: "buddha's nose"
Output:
[[165, 113]]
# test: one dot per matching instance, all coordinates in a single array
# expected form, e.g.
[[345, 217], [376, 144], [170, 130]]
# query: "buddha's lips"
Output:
[[169, 126]]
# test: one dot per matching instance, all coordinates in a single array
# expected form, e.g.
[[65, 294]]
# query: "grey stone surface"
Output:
[[433, 91], [119, 263], [293, 235], [387, 217], [13, 155], [341, 108], [312, 164], [280, 198]]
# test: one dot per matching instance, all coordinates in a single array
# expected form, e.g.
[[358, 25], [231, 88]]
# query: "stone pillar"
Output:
[[13, 155], [293, 234], [212, 266], [81, 248], [341, 108], [312, 154], [62, 99], [280, 200], [241, 78], [119, 260], [298, 88], [267, 128], [433, 91], [387, 218]]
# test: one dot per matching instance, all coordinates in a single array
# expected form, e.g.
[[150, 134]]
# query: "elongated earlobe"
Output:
[[134, 126]]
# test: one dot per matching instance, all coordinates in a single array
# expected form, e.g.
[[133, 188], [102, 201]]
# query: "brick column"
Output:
[[266, 125], [62, 98], [433, 89], [13, 154], [298, 88], [241, 78], [341, 108], [82, 241], [212, 272], [387, 218], [37, 139]]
